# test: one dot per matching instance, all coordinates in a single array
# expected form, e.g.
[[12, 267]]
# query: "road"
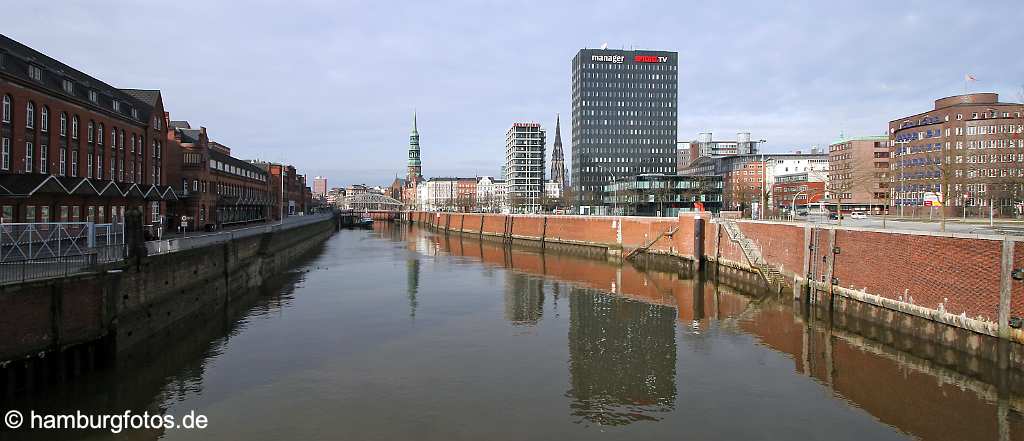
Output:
[[953, 225]]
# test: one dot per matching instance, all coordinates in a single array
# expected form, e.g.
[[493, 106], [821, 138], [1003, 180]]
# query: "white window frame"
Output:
[[44, 119], [30, 115], [5, 153], [29, 156], [43, 153], [63, 124], [62, 157], [74, 163], [5, 114]]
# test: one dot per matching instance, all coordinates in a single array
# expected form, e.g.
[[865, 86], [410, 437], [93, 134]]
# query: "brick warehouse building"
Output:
[[967, 151], [216, 189], [73, 148], [296, 197], [858, 176]]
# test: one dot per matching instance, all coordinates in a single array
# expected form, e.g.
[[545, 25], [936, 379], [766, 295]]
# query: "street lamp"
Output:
[[792, 206], [764, 181], [611, 181], [902, 186]]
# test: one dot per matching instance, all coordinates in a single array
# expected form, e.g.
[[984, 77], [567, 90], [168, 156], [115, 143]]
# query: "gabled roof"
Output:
[[27, 185]]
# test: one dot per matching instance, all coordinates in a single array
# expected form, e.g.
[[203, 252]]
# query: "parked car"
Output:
[[835, 216], [859, 215]]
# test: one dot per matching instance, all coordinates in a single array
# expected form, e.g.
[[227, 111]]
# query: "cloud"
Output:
[[331, 86]]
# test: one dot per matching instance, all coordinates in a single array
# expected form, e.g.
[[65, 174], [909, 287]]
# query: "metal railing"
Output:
[[44, 268], [40, 251], [201, 240]]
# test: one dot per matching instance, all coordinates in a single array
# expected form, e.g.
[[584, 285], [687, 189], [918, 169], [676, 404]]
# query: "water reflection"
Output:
[[412, 265], [623, 348], [622, 359], [524, 299]]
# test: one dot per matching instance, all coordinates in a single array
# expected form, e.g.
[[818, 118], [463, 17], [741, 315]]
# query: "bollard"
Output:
[[698, 243]]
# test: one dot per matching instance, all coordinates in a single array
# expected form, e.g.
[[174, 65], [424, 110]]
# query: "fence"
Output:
[[32, 251], [185, 243], [39, 251], [46, 267]]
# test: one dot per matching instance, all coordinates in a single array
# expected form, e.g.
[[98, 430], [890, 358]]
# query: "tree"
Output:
[[465, 202]]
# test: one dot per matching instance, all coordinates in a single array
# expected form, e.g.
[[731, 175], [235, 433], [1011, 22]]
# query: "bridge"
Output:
[[371, 202]]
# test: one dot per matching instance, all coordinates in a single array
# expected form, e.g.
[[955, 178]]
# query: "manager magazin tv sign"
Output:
[[618, 59]]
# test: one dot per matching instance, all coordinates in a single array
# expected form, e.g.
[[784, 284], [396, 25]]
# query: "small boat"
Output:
[[366, 221]]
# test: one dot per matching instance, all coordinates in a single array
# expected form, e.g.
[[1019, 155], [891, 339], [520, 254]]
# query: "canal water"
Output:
[[402, 333]]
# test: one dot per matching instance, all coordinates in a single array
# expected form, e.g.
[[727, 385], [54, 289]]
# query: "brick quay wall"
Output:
[[918, 283]]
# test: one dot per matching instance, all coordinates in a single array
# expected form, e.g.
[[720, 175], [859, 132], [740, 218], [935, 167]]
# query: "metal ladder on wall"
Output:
[[753, 255]]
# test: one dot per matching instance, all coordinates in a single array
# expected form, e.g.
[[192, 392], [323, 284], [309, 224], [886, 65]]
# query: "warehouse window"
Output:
[[6, 114], [30, 115]]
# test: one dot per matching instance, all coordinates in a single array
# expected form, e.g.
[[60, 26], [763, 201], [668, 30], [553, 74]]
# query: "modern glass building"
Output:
[[524, 166], [663, 195], [623, 119]]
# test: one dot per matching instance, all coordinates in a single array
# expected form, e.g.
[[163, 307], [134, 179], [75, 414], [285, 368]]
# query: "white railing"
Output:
[[201, 240], [32, 241]]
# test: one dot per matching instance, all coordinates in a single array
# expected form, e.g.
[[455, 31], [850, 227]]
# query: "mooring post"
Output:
[[698, 243], [1005, 288], [805, 290], [544, 233], [830, 270]]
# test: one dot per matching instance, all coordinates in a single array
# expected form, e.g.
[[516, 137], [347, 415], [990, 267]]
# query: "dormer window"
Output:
[[117, 106], [93, 96], [69, 87], [35, 73], [135, 113]]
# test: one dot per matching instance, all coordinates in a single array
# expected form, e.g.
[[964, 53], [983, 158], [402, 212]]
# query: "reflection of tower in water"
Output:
[[524, 299], [412, 266], [622, 358]]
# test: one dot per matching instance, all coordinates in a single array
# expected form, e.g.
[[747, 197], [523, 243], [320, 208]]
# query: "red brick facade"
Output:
[[958, 275]]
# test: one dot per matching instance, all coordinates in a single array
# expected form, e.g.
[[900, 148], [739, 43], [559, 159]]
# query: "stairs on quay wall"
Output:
[[753, 255]]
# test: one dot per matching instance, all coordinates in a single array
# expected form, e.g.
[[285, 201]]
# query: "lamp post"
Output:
[[792, 207], [764, 182], [903, 145], [611, 181]]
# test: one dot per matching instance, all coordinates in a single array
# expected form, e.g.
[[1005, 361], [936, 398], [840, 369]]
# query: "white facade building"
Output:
[[491, 195], [553, 189], [814, 164], [524, 166], [439, 194]]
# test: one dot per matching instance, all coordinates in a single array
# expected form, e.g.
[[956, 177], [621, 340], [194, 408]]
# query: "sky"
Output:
[[331, 86]]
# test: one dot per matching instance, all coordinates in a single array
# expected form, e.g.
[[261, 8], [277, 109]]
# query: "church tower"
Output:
[[557, 157], [415, 173]]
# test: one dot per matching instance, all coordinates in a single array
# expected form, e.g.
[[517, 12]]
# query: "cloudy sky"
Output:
[[331, 85]]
